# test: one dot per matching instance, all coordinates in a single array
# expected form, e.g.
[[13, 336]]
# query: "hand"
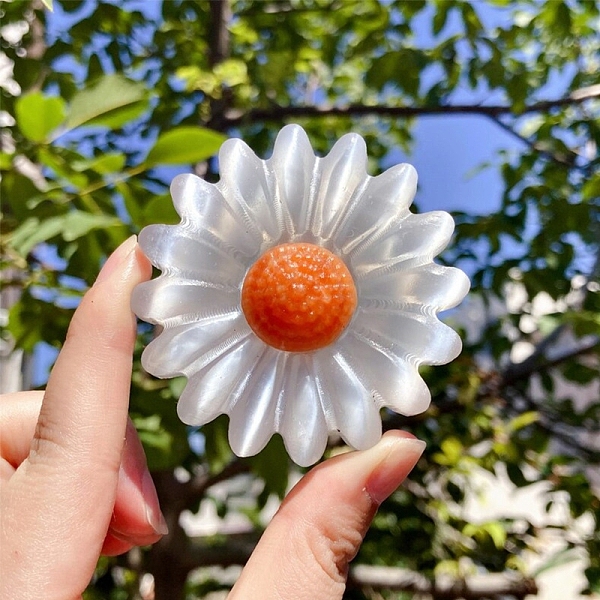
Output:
[[305, 550], [73, 476], [82, 488]]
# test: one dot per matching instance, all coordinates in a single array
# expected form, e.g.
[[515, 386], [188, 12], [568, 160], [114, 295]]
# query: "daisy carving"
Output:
[[299, 296]]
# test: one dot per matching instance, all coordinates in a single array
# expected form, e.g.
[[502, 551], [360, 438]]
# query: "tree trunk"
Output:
[[14, 363], [167, 559]]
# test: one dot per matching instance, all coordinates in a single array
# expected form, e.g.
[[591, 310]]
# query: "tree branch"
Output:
[[198, 485], [561, 159], [552, 424], [277, 113], [220, 16], [236, 550], [516, 372], [570, 441], [491, 585], [536, 361]]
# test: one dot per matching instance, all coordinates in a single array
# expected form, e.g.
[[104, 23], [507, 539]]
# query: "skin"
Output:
[[74, 482]]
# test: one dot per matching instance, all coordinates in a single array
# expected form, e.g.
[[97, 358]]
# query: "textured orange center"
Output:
[[298, 297]]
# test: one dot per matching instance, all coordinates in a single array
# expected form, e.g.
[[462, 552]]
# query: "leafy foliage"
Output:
[[111, 99]]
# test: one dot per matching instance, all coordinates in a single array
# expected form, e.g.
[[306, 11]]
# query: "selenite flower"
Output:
[[298, 295]]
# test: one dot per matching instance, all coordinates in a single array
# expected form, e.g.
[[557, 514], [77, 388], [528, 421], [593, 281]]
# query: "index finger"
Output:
[[84, 411], [70, 477]]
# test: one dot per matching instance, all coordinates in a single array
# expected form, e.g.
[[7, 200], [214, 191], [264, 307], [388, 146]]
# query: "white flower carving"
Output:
[[296, 197]]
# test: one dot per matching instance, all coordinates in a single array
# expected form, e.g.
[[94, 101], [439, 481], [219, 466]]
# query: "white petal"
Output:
[[415, 240], [207, 212], [382, 205], [418, 337], [342, 174], [244, 183], [431, 285], [212, 390], [350, 408], [395, 381], [302, 422], [176, 301], [295, 196], [175, 249], [188, 348], [252, 418], [293, 164]]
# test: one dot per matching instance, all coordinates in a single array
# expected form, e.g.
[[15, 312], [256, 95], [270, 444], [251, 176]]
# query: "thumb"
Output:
[[305, 550]]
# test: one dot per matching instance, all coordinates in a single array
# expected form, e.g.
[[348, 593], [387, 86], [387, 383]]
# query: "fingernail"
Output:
[[143, 500], [400, 453], [115, 260], [153, 513], [139, 511]]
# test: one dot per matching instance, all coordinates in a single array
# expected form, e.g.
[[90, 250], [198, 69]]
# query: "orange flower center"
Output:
[[298, 297]]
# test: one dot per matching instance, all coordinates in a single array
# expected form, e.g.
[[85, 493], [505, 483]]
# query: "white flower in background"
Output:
[[298, 295]]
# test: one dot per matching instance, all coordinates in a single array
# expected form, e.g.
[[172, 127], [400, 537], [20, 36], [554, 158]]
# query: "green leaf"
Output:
[[579, 372], [62, 168], [441, 15], [132, 205], [24, 332], [524, 419], [5, 161], [470, 19], [558, 559], [231, 72], [71, 225], [584, 322], [184, 145], [497, 533], [452, 452], [402, 67], [217, 450], [591, 188], [165, 447], [455, 492], [17, 193], [33, 232], [77, 223], [111, 102], [72, 5], [271, 464], [37, 115], [493, 529], [31, 321], [111, 162], [593, 577], [515, 474], [160, 209]]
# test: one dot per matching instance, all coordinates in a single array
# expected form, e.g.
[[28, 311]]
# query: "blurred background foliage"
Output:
[[108, 100]]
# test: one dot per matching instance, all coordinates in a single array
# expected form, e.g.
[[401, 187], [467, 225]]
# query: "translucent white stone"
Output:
[[296, 196]]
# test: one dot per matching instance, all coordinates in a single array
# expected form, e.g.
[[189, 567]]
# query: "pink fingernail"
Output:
[[402, 457], [140, 508], [153, 512], [116, 258]]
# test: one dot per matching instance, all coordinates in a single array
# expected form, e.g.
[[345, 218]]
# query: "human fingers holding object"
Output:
[[305, 551], [82, 487], [73, 474], [136, 517]]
